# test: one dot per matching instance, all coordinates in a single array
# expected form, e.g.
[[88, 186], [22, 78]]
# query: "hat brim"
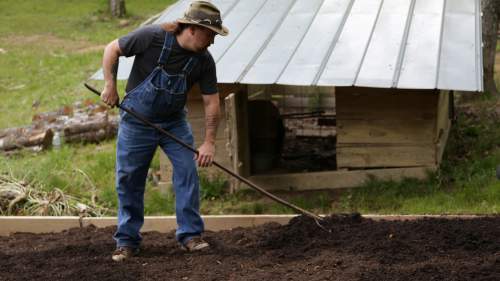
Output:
[[221, 31]]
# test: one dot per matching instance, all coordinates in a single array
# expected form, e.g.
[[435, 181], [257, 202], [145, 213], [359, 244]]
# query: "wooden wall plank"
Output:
[[373, 104], [385, 127], [385, 156], [336, 179], [396, 131]]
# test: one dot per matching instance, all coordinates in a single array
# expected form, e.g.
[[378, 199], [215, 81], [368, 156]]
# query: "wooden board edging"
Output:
[[336, 179], [41, 224]]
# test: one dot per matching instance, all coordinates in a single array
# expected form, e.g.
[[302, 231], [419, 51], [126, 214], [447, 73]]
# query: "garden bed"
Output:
[[357, 249]]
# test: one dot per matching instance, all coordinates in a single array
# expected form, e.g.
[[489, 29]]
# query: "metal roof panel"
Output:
[[248, 45], [282, 46], [417, 44], [457, 66], [237, 20], [420, 61], [307, 60], [347, 56], [381, 59]]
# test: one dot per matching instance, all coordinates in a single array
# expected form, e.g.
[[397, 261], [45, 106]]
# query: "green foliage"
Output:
[[212, 187], [72, 19], [252, 208], [157, 203]]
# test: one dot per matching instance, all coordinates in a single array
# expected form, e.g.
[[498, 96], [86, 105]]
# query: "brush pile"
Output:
[[82, 122], [18, 197]]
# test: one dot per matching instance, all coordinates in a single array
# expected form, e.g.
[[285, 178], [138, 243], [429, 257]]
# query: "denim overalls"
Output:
[[160, 98]]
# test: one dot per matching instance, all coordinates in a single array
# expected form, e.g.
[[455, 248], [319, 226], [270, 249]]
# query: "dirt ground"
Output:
[[356, 249]]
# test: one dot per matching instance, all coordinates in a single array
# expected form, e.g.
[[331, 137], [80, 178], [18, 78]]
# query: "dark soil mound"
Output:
[[355, 249]]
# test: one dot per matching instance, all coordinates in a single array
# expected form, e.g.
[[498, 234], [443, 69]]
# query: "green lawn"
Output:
[[50, 47]]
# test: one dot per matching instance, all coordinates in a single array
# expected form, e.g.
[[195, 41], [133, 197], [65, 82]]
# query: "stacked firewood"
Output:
[[80, 123]]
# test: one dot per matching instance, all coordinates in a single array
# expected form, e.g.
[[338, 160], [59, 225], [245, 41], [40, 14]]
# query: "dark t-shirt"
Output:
[[146, 44]]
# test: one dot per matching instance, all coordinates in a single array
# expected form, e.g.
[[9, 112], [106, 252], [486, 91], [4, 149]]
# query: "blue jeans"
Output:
[[136, 146]]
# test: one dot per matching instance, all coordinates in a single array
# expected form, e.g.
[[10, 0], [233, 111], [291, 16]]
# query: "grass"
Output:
[[78, 170], [49, 49]]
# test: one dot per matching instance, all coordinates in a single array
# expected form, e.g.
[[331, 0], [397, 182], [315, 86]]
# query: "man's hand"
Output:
[[110, 96], [206, 154]]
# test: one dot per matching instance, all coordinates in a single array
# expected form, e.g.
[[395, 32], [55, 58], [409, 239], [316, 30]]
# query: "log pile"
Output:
[[82, 122]]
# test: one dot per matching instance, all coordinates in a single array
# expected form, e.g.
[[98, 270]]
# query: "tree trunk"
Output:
[[491, 11], [117, 8]]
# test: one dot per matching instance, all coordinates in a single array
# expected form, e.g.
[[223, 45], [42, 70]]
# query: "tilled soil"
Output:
[[356, 249]]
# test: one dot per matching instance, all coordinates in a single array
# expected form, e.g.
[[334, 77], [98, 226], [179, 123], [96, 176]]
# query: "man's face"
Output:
[[203, 38]]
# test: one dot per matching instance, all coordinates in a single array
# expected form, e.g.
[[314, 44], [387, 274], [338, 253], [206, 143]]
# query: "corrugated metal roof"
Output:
[[417, 44]]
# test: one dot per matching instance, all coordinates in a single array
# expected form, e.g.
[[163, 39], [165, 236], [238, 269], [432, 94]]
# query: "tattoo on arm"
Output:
[[212, 122]]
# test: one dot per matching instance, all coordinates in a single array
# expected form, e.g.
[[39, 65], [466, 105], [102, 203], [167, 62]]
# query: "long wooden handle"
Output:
[[242, 179]]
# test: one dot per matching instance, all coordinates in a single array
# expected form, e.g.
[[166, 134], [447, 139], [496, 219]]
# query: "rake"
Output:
[[315, 217]]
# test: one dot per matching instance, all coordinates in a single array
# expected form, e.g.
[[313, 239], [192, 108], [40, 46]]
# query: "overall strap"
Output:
[[167, 48], [189, 65]]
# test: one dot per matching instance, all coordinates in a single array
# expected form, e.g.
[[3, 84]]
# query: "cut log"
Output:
[[86, 126], [50, 117], [12, 131], [91, 136], [31, 138]]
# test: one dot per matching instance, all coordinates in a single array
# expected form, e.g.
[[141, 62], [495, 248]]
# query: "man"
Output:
[[169, 59]]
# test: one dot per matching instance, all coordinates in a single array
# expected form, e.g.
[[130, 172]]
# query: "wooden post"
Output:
[[237, 136], [443, 124]]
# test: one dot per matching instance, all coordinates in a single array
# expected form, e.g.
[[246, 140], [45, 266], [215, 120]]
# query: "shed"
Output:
[[376, 77]]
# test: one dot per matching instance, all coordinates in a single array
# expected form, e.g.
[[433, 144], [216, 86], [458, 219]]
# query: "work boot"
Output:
[[123, 253], [195, 244]]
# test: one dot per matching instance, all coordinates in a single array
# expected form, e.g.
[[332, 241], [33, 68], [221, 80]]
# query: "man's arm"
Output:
[[110, 69], [212, 115]]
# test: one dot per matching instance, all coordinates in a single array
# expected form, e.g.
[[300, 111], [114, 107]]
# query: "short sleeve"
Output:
[[208, 78], [137, 41]]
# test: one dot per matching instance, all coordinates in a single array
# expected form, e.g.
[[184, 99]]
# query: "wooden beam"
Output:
[[232, 138], [443, 124], [11, 224], [335, 179], [163, 224]]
